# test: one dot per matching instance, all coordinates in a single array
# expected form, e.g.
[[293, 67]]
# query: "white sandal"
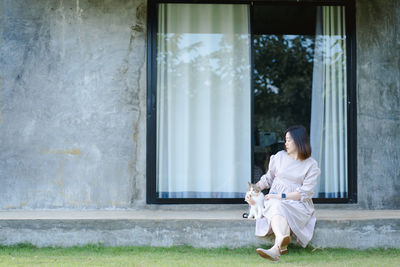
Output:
[[269, 254], [284, 244]]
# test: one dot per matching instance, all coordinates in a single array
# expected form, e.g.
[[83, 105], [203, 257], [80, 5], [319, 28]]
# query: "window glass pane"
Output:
[[300, 78], [329, 102], [203, 101]]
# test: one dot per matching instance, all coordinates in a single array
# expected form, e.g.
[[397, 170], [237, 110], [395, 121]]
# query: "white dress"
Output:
[[286, 175]]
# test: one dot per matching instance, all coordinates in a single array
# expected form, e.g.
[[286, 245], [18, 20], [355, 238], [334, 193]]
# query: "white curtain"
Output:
[[328, 132], [203, 101]]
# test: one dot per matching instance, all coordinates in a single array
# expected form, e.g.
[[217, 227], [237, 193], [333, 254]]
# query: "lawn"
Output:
[[96, 255]]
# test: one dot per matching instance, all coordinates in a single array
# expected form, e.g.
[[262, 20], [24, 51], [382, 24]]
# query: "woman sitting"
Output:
[[291, 177]]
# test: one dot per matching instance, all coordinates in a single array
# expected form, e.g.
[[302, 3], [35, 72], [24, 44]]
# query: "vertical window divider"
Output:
[[352, 102], [253, 138], [151, 103]]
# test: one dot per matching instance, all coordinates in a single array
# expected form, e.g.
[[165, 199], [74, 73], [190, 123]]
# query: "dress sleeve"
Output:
[[266, 180], [307, 189]]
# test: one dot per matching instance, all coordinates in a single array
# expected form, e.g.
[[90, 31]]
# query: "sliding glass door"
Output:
[[300, 78]]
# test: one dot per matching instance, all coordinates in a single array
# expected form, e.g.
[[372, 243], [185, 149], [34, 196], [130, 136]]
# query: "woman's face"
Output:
[[289, 144]]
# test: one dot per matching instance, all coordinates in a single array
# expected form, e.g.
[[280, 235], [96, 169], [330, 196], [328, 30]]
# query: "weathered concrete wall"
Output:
[[378, 126], [72, 103]]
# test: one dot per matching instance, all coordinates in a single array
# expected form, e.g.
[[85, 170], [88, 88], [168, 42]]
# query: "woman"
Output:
[[291, 177]]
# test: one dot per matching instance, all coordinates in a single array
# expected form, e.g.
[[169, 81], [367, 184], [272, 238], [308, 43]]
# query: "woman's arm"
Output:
[[304, 192], [290, 196], [267, 179]]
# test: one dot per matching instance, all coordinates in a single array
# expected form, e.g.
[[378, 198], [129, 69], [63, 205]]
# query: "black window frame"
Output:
[[151, 160]]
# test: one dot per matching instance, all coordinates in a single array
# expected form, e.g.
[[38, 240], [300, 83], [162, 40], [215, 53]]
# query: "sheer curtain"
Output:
[[328, 132], [203, 101]]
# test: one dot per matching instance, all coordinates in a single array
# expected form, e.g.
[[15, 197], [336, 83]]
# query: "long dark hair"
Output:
[[300, 137]]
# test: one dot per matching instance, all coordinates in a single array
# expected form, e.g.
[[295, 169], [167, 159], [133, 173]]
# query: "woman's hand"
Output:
[[249, 200], [269, 196]]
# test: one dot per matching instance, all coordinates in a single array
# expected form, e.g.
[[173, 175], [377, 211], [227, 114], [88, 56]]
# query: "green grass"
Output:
[[97, 255]]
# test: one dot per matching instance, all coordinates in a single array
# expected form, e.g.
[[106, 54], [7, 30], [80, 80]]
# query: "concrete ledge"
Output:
[[205, 228]]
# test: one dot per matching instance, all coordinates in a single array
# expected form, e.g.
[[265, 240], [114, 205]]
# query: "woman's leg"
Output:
[[281, 229]]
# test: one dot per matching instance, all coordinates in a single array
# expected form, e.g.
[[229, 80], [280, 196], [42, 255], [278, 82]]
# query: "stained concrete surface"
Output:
[[229, 214], [218, 228], [378, 103], [72, 96]]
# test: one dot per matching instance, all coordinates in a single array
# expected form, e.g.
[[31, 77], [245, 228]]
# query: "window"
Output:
[[225, 81]]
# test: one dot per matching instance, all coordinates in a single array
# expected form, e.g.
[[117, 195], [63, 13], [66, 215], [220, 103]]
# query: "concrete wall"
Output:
[[378, 126], [72, 102]]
